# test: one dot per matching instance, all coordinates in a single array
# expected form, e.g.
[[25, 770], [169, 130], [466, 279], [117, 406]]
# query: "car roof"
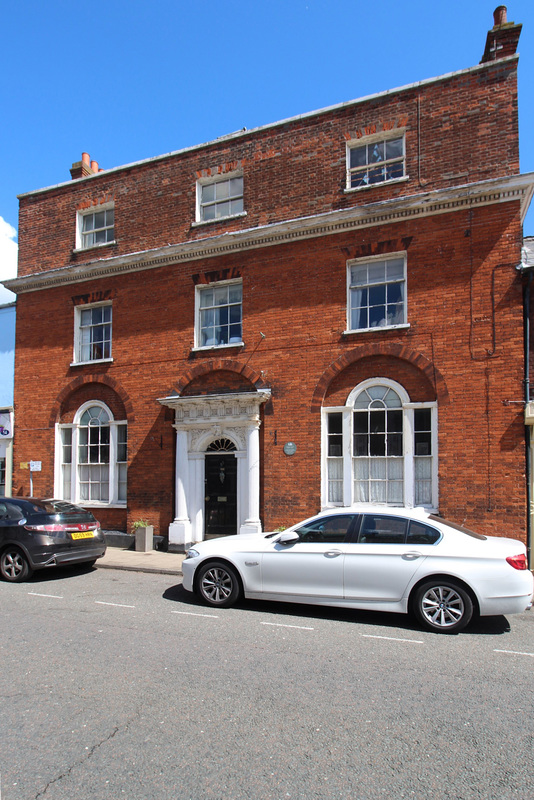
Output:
[[377, 508]]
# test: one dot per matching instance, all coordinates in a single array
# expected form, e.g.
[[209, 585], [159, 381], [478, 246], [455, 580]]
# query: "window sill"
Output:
[[377, 328], [351, 189], [200, 222], [210, 347], [90, 363], [94, 247]]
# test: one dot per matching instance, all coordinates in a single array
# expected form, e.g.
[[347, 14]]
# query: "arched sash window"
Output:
[[91, 461], [380, 448]]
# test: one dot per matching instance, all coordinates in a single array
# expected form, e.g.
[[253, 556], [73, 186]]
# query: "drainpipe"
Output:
[[528, 428]]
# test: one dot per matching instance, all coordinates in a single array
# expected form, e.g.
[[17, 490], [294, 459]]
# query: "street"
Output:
[[120, 685]]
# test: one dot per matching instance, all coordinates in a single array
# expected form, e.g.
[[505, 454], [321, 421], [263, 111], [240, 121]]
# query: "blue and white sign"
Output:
[[6, 428]]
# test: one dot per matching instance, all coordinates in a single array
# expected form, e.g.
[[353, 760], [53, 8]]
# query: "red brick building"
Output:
[[317, 312]]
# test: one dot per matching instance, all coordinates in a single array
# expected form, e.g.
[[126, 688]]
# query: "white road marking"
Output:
[[391, 638], [193, 614], [279, 625], [119, 605], [37, 594], [514, 653]]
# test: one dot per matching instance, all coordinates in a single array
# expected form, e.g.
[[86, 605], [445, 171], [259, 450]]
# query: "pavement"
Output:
[[154, 561]]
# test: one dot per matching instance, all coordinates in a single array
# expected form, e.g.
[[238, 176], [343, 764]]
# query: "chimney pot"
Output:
[[86, 158], [94, 166], [499, 16]]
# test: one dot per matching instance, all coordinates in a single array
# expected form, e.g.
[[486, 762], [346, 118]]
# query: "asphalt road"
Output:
[[118, 685]]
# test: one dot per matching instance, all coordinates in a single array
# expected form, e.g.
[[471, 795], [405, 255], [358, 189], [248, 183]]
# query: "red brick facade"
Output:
[[455, 215]]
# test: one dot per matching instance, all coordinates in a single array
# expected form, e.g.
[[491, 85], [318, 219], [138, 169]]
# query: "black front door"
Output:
[[221, 495]]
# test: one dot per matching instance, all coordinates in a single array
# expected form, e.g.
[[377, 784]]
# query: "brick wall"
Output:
[[463, 347], [459, 129]]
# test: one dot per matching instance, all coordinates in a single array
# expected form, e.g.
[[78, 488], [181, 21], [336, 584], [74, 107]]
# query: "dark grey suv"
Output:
[[36, 533]]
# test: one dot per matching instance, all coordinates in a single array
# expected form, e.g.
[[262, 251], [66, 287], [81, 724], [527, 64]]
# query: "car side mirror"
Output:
[[289, 538]]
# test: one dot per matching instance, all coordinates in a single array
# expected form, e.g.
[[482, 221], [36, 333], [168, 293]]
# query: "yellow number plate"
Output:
[[82, 535]]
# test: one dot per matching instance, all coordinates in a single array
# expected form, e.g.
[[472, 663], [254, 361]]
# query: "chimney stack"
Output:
[[499, 16], [84, 168], [502, 39]]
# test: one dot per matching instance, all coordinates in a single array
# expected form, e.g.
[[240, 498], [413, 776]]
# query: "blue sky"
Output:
[[127, 80]]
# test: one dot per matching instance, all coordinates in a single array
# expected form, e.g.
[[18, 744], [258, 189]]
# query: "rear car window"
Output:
[[9, 511], [420, 533], [457, 527], [55, 507]]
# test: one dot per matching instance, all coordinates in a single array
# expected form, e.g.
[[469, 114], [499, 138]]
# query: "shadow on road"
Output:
[[56, 573], [482, 626]]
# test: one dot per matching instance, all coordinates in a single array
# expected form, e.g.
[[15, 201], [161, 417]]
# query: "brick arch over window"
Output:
[[429, 373], [86, 388], [242, 376]]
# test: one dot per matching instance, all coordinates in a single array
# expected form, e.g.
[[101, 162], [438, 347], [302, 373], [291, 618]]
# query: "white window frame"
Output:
[[79, 226], [370, 260], [78, 344], [383, 136], [218, 179], [204, 287], [408, 409], [114, 477]]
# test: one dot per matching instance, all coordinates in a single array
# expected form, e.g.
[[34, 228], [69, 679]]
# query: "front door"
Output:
[[220, 508]]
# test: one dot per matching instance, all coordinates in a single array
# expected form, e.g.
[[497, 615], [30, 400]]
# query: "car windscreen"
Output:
[[457, 527]]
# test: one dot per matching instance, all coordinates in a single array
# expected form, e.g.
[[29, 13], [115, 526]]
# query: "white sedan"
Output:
[[374, 558]]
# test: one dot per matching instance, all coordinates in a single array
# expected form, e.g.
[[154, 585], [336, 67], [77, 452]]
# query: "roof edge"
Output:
[[289, 120]]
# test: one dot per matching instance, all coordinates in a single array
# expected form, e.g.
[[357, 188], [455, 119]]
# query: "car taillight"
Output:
[[61, 528], [518, 562]]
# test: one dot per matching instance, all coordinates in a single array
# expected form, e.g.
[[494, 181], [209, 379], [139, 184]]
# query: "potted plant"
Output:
[[144, 535]]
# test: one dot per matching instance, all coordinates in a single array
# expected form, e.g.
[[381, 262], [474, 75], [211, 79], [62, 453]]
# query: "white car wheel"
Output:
[[443, 607]]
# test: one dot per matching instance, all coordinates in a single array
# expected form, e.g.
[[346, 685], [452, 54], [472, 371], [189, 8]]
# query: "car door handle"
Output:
[[333, 553], [411, 556]]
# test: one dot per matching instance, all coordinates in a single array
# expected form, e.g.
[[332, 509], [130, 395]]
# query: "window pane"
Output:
[[392, 400], [377, 529], [377, 272], [377, 421], [222, 209], [395, 444], [422, 419], [376, 152], [222, 190], [422, 534], [394, 292], [236, 187], [395, 269], [358, 156], [377, 444], [394, 148], [377, 295], [327, 529], [100, 219], [423, 444], [208, 193], [236, 206]]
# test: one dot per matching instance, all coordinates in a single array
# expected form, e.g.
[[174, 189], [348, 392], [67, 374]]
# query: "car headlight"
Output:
[[192, 553]]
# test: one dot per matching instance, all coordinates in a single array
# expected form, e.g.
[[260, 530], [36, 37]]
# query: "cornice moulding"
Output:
[[502, 190], [198, 410]]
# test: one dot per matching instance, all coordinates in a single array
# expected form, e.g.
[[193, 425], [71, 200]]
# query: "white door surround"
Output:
[[198, 422]]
